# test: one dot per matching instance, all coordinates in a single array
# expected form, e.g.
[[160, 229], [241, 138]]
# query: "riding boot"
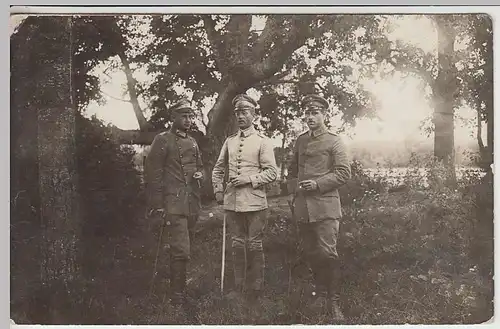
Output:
[[334, 292], [319, 295], [178, 281], [256, 267], [239, 271]]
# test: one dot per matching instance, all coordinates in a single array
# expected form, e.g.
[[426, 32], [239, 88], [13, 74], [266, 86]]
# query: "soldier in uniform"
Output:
[[173, 173], [247, 158], [319, 166]]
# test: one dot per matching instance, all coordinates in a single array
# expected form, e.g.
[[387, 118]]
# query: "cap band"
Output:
[[242, 104]]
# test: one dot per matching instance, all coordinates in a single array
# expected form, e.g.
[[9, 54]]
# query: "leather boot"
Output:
[[239, 271], [334, 292], [178, 281], [256, 266]]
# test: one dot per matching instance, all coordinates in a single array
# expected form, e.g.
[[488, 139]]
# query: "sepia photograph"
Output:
[[251, 168]]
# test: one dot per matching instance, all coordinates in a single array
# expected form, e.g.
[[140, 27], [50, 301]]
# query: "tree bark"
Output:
[[59, 203], [141, 120], [24, 193], [444, 94], [479, 132], [283, 143]]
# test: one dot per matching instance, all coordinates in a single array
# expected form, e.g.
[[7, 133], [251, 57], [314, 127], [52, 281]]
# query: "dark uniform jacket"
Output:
[[323, 158], [173, 159]]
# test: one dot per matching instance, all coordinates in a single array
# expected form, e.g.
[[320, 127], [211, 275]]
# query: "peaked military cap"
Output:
[[315, 100], [244, 101], [182, 106]]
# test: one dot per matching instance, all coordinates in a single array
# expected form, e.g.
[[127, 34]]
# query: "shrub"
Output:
[[109, 183]]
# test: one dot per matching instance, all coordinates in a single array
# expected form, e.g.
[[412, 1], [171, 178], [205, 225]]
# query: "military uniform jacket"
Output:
[[323, 158], [245, 153], [173, 159]]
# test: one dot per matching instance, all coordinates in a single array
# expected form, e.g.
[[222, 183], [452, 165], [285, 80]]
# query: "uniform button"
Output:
[[239, 150], [168, 223], [185, 174]]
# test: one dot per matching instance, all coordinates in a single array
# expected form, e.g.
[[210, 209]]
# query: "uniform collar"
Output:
[[247, 132], [179, 132], [318, 132]]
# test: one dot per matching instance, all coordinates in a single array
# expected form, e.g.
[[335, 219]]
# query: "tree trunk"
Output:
[[444, 93], [283, 143], [59, 203], [143, 124], [24, 192], [489, 101], [489, 139]]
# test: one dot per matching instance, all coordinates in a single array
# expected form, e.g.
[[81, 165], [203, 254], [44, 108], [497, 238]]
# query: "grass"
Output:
[[409, 256]]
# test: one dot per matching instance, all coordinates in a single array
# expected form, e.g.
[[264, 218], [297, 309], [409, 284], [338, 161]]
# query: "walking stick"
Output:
[[156, 258], [223, 254]]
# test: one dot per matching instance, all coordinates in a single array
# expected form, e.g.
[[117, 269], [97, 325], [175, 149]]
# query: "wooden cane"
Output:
[[223, 254], [155, 267]]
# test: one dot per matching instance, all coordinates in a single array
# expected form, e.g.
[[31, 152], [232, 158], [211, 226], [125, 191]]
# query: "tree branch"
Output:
[[426, 75], [215, 41], [266, 38], [131, 137], [143, 124], [115, 98], [299, 33]]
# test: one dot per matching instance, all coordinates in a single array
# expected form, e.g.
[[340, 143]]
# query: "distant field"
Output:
[[396, 176]]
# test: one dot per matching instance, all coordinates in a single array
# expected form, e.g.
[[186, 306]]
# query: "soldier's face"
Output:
[[244, 117], [184, 120], [314, 118]]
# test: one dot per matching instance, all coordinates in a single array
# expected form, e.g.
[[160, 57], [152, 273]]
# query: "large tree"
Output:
[[44, 99]]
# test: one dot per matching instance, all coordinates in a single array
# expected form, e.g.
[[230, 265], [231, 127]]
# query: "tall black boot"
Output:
[[178, 281], [334, 292], [256, 267], [319, 299]]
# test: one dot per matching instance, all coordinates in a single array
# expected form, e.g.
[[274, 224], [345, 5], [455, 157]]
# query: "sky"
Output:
[[402, 101]]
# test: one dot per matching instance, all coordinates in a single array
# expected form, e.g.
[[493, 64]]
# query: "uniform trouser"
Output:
[[317, 251], [177, 237], [247, 231], [179, 231]]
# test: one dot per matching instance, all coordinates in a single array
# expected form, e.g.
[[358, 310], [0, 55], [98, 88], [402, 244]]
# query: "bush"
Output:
[[109, 184], [418, 257]]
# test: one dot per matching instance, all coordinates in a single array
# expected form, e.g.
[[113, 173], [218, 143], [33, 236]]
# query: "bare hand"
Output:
[[308, 185], [156, 218], [240, 180], [219, 196]]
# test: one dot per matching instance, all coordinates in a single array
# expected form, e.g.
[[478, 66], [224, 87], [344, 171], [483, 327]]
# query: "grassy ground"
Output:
[[408, 257]]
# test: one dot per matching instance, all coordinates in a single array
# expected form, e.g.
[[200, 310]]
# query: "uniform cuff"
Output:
[[319, 187]]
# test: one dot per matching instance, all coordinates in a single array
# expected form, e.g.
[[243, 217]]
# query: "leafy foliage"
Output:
[[110, 185]]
